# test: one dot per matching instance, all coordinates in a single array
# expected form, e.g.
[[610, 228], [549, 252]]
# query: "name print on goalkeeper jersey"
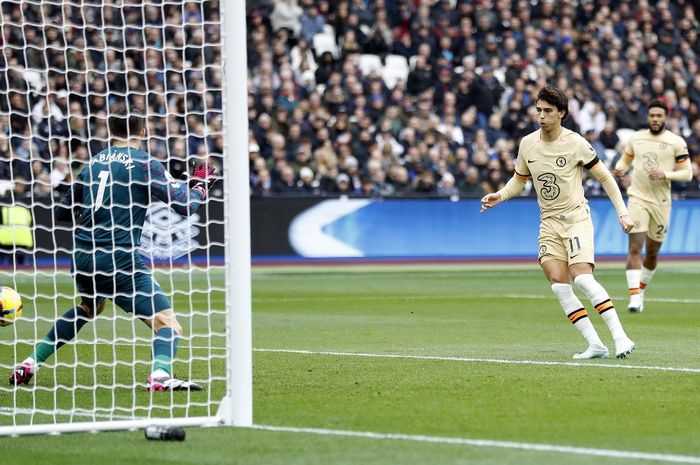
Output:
[[112, 197]]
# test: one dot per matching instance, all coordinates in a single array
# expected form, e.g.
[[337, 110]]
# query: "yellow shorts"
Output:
[[650, 218], [567, 237]]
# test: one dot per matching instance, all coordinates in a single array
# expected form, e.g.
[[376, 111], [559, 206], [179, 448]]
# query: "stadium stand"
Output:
[[442, 91], [419, 93], [64, 66]]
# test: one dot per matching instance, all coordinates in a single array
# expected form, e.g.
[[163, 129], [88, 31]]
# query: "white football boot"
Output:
[[636, 303], [624, 347], [593, 352]]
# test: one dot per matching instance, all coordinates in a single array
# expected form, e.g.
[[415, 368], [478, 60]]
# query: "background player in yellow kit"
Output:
[[554, 157], [657, 157]]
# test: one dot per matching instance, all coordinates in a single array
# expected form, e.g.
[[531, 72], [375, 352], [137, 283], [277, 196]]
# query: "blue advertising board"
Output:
[[442, 228]]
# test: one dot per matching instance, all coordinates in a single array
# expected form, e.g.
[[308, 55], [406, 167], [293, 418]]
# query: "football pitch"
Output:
[[425, 364]]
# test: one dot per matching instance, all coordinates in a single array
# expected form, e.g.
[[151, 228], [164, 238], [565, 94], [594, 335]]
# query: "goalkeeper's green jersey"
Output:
[[112, 197]]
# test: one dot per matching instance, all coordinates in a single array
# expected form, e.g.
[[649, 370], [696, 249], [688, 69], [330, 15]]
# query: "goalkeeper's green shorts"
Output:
[[121, 277]]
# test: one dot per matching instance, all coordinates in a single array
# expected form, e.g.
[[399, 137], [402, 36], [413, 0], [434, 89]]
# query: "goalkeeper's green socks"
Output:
[[164, 350], [63, 331]]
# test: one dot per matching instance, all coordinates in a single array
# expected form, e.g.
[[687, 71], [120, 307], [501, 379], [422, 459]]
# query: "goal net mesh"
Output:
[[65, 67]]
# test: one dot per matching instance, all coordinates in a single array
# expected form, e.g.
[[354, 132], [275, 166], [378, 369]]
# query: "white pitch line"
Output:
[[482, 360], [535, 447], [502, 361], [404, 297]]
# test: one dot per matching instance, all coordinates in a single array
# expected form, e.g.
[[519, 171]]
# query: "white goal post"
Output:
[[96, 382], [237, 409]]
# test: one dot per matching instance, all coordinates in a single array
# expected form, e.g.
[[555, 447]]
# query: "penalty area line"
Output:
[[481, 360], [524, 446]]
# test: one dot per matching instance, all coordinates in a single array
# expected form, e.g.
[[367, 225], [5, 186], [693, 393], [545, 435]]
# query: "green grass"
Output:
[[470, 316]]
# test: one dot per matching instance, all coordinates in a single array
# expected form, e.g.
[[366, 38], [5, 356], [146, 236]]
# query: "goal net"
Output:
[[66, 67]]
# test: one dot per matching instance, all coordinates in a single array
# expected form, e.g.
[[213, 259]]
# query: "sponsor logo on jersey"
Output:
[[167, 235], [650, 162], [561, 161]]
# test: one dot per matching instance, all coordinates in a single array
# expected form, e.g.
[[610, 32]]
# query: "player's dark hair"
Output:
[[126, 123], [658, 104], [556, 97]]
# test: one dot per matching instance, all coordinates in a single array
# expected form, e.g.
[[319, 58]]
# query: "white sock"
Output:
[[601, 301], [633, 280], [160, 374], [31, 362], [645, 277], [576, 312]]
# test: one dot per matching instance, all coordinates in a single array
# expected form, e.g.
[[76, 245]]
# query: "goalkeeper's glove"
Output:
[[203, 178]]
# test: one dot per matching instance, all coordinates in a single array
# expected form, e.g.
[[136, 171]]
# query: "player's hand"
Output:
[[619, 172], [657, 175], [203, 177], [626, 223], [490, 201]]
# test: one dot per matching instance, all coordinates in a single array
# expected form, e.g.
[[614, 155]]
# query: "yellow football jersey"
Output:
[[556, 169], [651, 152]]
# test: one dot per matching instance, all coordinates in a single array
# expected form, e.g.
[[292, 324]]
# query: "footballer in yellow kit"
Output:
[[554, 157], [566, 232], [657, 157]]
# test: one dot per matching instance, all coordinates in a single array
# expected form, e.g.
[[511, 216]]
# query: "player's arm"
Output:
[[177, 195], [625, 161], [601, 173], [683, 171], [68, 209], [512, 187]]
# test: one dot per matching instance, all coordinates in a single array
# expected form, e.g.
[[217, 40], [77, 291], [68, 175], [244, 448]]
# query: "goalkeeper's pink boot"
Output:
[[167, 383], [22, 373]]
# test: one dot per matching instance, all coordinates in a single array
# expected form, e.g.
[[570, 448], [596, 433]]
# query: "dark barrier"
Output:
[[166, 235], [365, 228], [270, 220]]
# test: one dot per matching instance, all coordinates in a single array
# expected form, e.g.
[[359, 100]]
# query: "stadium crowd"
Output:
[[67, 65], [421, 97], [354, 97]]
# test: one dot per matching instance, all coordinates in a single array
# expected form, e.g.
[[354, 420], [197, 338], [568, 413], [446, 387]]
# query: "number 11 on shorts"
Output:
[[574, 247]]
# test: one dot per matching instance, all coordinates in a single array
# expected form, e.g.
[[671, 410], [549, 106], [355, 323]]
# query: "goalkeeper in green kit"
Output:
[[108, 204]]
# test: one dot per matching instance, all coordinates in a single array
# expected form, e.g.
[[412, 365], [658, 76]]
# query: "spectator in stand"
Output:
[[446, 187], [287, 183], [470, 185], [591, 118], [420, 78], [342, 186], [425, 183], [307, 184], [608, 136], [312, 22], [631, 115], [286, 14]]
